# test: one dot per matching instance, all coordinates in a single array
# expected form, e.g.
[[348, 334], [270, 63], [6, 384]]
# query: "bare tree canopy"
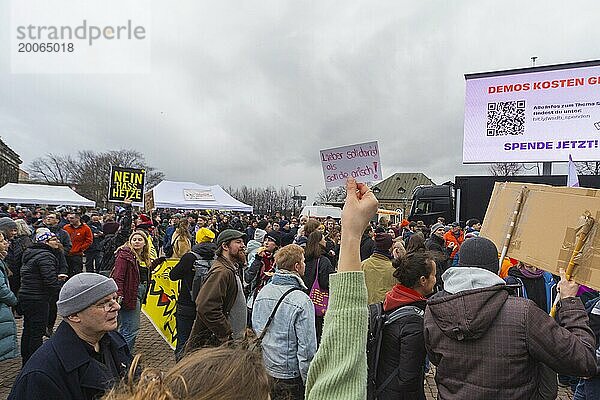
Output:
[[588, 167], [265, 200], [89, 171], [506, 169], [329, 195]]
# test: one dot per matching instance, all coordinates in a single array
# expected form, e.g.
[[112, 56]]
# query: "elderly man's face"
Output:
[[100, 317]]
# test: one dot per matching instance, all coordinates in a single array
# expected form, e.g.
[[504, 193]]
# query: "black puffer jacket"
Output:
[[39, 272], [403, 346]]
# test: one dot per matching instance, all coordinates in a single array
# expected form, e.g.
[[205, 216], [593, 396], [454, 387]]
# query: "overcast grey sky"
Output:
[[248, 92]]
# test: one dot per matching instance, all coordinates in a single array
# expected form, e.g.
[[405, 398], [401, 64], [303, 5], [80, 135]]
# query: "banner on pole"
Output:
[[126, 183], [161, 302]]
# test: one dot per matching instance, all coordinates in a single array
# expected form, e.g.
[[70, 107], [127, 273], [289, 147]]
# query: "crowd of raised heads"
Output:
[[286, 307]]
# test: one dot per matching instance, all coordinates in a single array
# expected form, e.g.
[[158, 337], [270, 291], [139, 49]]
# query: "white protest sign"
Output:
[[360, 161]]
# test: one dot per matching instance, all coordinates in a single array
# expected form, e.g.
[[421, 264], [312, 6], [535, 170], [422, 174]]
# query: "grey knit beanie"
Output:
[[6, 224], [479, 252], [437, 226], [83, 290]]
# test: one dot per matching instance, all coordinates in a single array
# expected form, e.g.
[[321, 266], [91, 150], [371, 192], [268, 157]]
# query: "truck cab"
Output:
[[431, 202]]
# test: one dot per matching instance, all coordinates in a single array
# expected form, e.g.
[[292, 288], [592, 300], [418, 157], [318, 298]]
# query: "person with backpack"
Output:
[[395, 347], [191, 271]]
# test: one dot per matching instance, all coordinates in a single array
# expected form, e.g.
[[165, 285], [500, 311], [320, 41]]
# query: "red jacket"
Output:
[[126, 274], [81, 238]]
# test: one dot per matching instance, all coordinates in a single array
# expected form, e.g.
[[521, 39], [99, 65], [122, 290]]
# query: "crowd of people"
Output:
[[287, 307]]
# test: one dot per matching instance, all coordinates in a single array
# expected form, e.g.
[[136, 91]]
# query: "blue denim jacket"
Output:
[[290, 342]]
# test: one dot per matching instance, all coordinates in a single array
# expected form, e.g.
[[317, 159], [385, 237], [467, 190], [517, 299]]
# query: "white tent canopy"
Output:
[[192, 196], [22, 193]]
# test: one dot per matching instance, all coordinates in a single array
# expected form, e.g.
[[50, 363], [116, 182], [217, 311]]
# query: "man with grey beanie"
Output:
[[86, 356], [489, 345]]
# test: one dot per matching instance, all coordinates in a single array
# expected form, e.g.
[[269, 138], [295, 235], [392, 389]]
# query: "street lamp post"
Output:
[[294, 198]]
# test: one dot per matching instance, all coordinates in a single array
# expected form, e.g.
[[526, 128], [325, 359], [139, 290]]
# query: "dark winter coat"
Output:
[[402, 345], [126, 274], [14, 257], [8, 328], [39, 272], [367, 247], [325, 268], [488, 345], [63, 369]]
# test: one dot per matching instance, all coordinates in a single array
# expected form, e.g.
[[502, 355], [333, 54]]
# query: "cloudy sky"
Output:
[[248, 92]]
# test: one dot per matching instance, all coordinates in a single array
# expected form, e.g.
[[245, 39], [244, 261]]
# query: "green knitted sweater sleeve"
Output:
[[339, 369]]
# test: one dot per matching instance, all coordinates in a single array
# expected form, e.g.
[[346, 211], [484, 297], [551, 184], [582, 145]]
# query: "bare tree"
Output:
[[89, 171], [588, 167], [506, 169], [331, 195], [52, 168]]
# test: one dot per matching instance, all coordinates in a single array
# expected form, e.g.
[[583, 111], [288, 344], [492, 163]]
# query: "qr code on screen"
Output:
[[506, 118]]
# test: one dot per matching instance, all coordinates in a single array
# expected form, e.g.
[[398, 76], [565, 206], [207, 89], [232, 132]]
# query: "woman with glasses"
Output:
[[132, 281], [39, 283]]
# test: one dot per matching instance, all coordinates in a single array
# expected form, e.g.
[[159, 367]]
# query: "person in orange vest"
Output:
[[454, 238]]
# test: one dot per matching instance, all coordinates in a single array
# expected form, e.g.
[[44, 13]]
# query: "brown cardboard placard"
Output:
[[546, 228]]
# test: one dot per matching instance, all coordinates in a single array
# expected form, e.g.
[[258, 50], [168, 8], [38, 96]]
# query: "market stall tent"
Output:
[[24, 193], [192, 196]]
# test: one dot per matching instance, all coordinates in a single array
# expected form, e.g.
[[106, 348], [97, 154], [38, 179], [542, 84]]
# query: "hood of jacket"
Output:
[[126, 253], [468, 313], [205, 250], [252, 246], [457, 279]]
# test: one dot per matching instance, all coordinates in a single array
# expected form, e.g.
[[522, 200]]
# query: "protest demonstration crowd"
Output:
[[286, 307]]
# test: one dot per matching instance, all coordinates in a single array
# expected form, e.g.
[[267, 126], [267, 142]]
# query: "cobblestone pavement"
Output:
[[156, 353]]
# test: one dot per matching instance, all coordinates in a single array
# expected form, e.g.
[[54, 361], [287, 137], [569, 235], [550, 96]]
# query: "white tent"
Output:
[[22, 193], [192, 196], [322, 212]]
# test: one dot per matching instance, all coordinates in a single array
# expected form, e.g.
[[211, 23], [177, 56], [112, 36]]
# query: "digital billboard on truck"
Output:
[[533, 114]]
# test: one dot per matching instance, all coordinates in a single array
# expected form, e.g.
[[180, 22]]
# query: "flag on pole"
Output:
[[161, 302], [572, 179]]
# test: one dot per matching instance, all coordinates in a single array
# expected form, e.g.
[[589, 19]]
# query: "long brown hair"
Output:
[[222, 373], [314, 249]]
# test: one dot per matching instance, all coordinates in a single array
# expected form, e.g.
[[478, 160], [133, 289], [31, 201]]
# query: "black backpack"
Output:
[[378, 320], [201, 269]]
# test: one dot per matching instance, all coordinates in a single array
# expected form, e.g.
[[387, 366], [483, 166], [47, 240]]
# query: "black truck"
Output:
[[469, 196]]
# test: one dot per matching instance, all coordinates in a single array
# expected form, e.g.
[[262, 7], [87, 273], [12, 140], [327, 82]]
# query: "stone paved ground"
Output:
[[157, 354]]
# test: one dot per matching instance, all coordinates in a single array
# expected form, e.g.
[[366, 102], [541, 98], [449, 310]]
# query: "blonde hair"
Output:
[[288, 256], [144, 254], [22, 228], [206, 374]]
